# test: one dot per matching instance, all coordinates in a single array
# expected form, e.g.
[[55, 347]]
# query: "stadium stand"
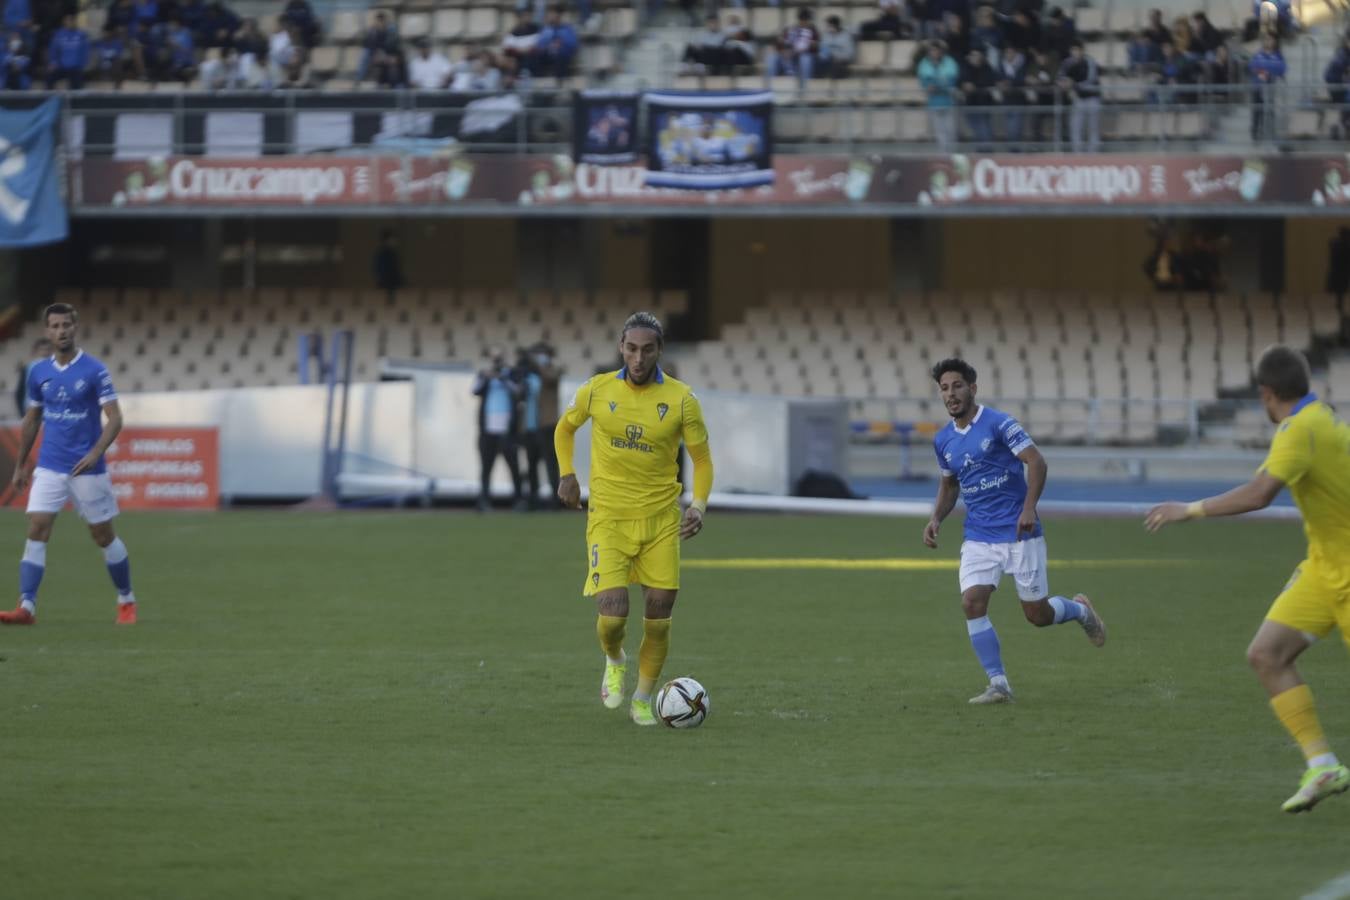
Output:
[[1117, 369]]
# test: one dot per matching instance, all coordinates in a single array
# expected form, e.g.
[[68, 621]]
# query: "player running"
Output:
[[980, 455], [639, 416], [69, 394], [1310, 454]]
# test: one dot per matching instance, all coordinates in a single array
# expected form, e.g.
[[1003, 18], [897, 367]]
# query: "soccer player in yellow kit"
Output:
[[1311, 455], [639, 415]]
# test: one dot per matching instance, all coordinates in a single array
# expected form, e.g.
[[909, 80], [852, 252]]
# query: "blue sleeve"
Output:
[[1014, 436], [34, 390], [83, 56], [568, 36], [942, 463], [106, 392]]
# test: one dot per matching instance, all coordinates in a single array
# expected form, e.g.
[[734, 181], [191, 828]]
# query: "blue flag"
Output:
[[31, 211]]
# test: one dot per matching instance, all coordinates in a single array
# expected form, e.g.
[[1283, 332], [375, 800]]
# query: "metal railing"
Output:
[[814, 117]]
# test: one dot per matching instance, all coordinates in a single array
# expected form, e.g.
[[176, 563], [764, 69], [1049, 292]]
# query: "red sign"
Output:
[[166, 468], [841, 181]]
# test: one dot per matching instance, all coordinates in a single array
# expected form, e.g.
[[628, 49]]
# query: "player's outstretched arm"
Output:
[[32, 422], [948, 490], [1256, 494]]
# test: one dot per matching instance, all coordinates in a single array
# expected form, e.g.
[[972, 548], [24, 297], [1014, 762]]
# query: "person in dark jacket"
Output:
[[499, 392], [977, 87], [386, 265], [67, 55], [42, 348], [1267, 68]]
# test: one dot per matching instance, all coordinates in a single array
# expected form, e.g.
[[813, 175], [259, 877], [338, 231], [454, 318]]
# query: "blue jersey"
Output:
[[983, 457], [72, 398]]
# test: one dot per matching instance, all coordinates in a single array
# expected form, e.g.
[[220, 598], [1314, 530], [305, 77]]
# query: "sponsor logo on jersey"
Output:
[[632, 440]]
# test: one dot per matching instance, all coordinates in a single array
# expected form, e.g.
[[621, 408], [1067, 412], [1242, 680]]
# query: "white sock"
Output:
[[28, 605], [124, 599], [1000, 681], [623, 658], [1323, 759]]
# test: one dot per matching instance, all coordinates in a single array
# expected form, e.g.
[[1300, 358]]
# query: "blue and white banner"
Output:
[[31, 211], [604, 128], [709, 140]]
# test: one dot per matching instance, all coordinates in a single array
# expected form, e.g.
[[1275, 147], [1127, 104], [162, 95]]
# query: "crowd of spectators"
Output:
[[154, 40], [184, 40]]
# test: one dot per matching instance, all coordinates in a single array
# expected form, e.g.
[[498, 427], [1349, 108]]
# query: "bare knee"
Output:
[[975, 603], [660, 602], [40, 529], [102, 533], [613, 602], [1264, 658]]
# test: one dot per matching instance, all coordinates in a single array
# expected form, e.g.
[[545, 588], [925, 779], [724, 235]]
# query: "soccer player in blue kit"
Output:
[[980, 453], [69, 395]]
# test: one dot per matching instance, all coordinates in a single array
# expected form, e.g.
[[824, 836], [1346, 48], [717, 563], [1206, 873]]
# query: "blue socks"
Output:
[[985, 641], [119, 568], [31, 569], [1067, 610]]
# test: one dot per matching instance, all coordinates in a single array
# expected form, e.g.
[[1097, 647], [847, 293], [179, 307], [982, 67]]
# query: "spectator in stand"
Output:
[[123, 13], [1156, 29], [837, 50], [1206, 35], [1143, 56], [1337, 76], [217, 27], [180, 57], [797, 48], [1059, 33], [1020, 30], [1081, 83], [300, 15], [955, 36], [520, 42], [1184, 38], [1219, 72], [148, 39], [477, 75], [1175, 70], [190, 13], [705, 50], [938, 75], [1281, 23], [67, 55], [286, 55], [387, 267], [253, 48], [428, 71], [928, 15], [1042, 71], [739, 48], [225, 71], [18, 16], [1267, 68], [378, 43], [145, 13], [888, 22], [1010, 92], [16, 63], [48, 16], [986, 35], [977, 93], [116, 56], [556, 48]]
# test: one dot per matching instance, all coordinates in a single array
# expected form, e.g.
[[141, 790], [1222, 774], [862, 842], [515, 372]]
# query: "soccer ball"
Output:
[[682, 703]]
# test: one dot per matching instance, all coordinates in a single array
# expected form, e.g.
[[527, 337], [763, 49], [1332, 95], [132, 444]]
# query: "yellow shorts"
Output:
[[620, 552], [1313, 602]]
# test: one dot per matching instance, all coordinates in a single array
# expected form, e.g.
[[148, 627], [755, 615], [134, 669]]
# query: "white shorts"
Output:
[[92, 495], [1025, 561]]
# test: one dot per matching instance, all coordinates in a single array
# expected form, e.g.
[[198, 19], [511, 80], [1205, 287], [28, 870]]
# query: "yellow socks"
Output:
[[1298, 715], [610, 631], [652, 655]]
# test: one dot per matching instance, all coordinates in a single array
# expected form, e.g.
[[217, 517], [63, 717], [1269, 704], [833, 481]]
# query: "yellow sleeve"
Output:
[[564, 436], [695, 433], [1290, 453], [701, 454]]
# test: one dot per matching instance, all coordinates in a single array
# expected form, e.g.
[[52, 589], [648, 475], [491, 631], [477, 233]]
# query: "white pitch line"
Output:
[[1337, 888]]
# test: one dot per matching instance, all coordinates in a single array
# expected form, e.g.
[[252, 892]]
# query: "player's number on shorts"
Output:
[[595, 555]]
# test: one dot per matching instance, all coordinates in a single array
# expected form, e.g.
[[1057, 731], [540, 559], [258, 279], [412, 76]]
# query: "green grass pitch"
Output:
[[398, 705]]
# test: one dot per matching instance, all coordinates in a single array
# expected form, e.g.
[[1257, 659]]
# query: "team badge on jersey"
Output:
[[661, 410]]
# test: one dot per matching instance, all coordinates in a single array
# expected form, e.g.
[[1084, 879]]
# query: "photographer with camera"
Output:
[[499, 390], [540, 375]]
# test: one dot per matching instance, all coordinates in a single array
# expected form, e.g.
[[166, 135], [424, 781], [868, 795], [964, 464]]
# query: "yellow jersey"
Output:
[[636, 432], [1311, 454]]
